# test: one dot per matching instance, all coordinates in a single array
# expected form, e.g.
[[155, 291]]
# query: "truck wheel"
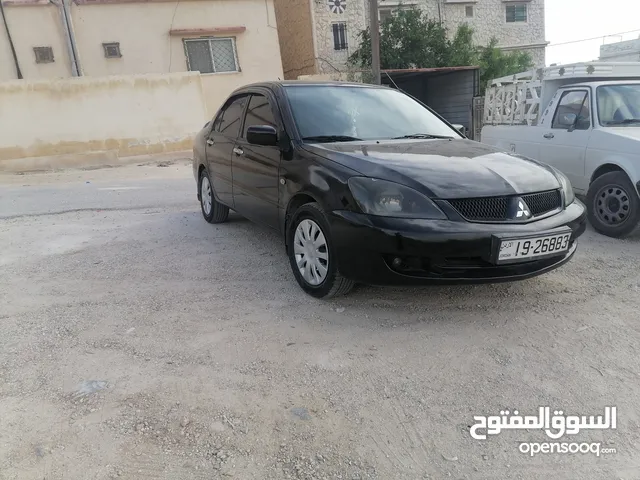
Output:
[[613, 205]]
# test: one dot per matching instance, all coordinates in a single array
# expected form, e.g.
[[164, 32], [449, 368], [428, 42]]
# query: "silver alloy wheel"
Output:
[[205, 194], [310, 250], [612, 205]]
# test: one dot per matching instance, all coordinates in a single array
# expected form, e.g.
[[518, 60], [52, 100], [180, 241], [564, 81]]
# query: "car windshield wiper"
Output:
[[331, 138], [626, 121], [420, 135]]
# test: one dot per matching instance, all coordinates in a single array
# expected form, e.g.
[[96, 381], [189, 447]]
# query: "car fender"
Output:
[[320, 183], [598, 158]]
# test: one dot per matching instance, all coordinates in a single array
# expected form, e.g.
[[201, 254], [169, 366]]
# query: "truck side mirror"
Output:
[[567, 120]]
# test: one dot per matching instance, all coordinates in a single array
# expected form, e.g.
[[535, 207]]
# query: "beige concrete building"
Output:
[[321, 34], [627, 51], [231, 42]]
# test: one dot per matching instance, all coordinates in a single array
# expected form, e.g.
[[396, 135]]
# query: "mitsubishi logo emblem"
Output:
[[522, 212]]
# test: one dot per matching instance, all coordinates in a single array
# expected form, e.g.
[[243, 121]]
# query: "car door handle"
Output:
[[238, 151], [549, 135], [209, 142]]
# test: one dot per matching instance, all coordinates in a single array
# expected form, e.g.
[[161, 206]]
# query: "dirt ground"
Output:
[[137, 341]]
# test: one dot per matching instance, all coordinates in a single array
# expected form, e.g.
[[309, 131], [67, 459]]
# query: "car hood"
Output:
[[443, 168]]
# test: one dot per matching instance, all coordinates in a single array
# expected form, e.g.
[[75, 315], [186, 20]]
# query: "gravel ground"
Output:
[[138, 341]]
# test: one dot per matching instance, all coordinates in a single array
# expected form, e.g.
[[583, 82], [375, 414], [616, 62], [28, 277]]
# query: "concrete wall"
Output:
[[296, 37], [146, 45], [124, 115], [143, 29], [33, 26]]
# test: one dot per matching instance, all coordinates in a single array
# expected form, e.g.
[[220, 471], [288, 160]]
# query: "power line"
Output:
[[13, 50], [593, 38]]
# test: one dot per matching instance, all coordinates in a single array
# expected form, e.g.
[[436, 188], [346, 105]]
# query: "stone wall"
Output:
[[538, 55], [488, 20], [295, 32], [356, 17], [628, 51]]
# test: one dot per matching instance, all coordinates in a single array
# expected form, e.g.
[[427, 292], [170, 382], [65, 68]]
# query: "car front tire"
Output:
[[212, 210], [311, 254], [613, 205]]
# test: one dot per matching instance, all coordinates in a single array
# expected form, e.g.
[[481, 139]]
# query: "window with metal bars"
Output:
[[516, 13], [340, 36], [111, 50], [385, 13], [211, 55], [43, 54]]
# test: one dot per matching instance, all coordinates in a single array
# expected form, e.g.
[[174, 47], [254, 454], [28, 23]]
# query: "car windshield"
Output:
[[619, 105], [326, 113]]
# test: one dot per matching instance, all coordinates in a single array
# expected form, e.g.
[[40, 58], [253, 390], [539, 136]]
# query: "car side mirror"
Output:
[[264, 135], [459, 128], [567, 120]]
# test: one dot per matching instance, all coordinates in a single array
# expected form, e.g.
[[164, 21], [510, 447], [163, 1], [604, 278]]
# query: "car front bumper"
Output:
[[440, 251]]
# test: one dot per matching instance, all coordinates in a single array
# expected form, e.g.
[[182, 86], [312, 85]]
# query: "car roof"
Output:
[[631, 81], [289, 83]]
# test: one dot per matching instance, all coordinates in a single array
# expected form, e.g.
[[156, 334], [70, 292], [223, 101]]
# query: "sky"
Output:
[[568, 20]]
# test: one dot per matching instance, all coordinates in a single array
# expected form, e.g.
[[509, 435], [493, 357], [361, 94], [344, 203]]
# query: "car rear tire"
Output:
[[311, 254], [613, 205], [212, 210]]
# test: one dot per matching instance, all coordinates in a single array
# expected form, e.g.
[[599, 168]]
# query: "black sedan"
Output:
[[366, 184]]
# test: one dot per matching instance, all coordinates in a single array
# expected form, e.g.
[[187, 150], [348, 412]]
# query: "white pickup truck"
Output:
[[583, 119]]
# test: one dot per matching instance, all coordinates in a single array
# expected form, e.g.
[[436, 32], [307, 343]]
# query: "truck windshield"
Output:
[[332, 113], [619, 105]]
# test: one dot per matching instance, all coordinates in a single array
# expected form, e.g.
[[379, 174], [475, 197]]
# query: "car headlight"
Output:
[[389, 199], [569, 196]]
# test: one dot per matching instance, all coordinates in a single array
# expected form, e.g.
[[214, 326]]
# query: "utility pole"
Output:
[[374, 27]]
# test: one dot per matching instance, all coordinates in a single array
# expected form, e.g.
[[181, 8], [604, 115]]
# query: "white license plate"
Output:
[[527, 248]]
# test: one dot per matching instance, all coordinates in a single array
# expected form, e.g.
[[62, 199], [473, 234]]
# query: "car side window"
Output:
[[231, 117], [217, 122], [259, 113], [575, 102]]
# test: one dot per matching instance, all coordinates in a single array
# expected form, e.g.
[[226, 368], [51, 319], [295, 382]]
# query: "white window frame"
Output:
[[516, 22], [394, 8], [473, 11], [213, 61], [384, 9]]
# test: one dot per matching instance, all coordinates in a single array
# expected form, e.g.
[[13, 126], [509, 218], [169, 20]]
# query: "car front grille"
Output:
[[496, 209]]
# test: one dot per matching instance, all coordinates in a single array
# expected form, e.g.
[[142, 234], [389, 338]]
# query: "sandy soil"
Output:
[[138, 341]]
